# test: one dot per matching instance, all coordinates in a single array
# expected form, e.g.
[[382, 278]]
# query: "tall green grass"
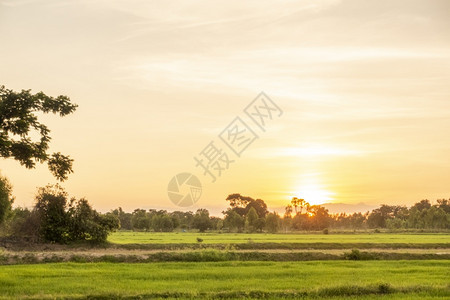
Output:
[[126, 237], [228, 279]]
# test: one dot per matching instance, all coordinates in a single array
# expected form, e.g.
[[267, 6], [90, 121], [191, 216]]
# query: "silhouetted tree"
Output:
[[24, 224], [436, 218], [379, 216], [140, 220], [251, 219], [184, 220], [86, 224], [51, 206], [422, 205], [320, 218], [124, 218], [201, 220], [233, 221], [19, 123], [296, 202], [162, 222], [259, 206], [6, 198], [288, 211], [357, 220], [444, 204], [300, 222], [242, 204], [272, 222], [219, 224]]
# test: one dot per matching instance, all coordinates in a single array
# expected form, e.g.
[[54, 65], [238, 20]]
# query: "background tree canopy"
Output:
[[6, 198], [19, 121]]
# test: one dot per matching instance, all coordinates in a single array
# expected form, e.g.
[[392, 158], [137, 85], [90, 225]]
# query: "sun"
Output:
[[314, 194]]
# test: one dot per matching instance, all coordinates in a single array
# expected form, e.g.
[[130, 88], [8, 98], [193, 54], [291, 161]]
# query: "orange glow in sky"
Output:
[[363, 85]]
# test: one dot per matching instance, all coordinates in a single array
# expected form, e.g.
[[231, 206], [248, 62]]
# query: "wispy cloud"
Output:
[[307, 151]]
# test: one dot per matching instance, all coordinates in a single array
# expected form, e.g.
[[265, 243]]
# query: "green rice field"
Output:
[[224, 238], [145, 265], [227, 279]]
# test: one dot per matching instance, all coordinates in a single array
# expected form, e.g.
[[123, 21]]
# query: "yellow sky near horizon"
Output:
[[363, 85]]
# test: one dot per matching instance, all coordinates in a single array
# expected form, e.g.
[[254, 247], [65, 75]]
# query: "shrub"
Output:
[[355, 254], [384, 288], [61, 221]]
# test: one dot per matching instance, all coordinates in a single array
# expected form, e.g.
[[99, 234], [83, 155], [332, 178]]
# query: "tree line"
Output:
[[58, 218], [246, 214]]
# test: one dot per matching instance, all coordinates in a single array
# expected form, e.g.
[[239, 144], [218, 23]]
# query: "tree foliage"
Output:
[[140, 220], [51, 206], [64, 221], [202, 222], [242, 204], [6, 198], [251, 220], [19, 123], [422, 215], [57, 219], [272, 222], [233, 221]]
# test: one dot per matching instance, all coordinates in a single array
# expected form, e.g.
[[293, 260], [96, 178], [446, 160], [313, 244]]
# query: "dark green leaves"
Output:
[[60, 165], [19, 121]]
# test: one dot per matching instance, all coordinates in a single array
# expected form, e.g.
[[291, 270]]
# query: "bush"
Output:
[[61, 221], [355, 254], [51, 205], [24, 224], [384, 288]]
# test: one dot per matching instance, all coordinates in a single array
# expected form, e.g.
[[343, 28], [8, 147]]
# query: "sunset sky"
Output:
[[364, 87]]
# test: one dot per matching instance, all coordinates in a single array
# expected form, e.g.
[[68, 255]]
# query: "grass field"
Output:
[[139, 265], [124, 237], [228, 279]]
